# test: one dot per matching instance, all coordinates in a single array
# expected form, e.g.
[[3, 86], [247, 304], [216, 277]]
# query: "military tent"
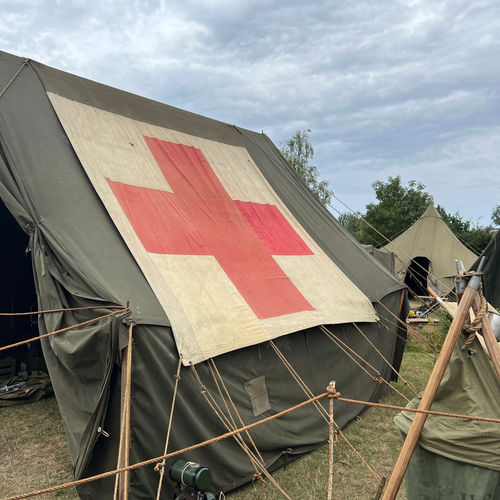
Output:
[[491, 270], [427, 251], [387, 259], [458, 458], [217, 247]]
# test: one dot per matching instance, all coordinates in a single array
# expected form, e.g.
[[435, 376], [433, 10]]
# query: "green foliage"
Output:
[[351, 222], [473, 236], [398, 207], [444, 324], [298, 151], [495, 216]]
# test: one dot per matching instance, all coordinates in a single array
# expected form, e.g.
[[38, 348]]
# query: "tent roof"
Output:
[[107, 129], [430, 237]]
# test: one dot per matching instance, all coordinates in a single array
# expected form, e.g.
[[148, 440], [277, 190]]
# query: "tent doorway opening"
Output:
[[417, 275], [17, 294]]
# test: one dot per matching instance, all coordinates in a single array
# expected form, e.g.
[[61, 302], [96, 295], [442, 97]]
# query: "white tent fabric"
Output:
[[223, 254]]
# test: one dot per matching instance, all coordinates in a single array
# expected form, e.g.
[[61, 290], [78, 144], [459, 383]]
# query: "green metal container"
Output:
[[190, 474]]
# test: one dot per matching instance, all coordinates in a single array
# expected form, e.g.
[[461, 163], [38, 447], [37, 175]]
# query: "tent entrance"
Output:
[[417, 275], [17, 294]]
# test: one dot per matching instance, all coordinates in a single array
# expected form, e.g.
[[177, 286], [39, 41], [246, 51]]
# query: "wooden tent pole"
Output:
[[431, 388], [126, 385], [489, 338]]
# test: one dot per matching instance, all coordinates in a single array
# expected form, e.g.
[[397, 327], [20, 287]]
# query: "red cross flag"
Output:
[[227, 260]]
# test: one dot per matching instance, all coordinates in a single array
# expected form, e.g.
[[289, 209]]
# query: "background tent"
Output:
[[87, 249], [491, 270], [427, 250], [387, 259], [458, 458]]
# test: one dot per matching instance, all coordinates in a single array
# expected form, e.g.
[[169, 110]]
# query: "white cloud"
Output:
[[388, 88]]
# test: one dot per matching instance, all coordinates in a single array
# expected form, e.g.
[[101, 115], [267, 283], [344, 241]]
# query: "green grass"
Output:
[[33, 450], [34, 454]]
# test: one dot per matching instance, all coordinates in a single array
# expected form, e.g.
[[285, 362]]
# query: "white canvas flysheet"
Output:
[[228, 262]]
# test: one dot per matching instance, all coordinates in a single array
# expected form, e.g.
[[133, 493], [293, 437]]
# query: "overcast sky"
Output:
[[409, 88]]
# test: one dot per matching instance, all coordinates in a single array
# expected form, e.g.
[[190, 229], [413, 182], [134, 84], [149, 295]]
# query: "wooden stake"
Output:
[[332, 393], [123, 452], [411, 440]]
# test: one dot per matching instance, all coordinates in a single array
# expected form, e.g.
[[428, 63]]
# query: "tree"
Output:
[[398, 208], [351, 223], [475, 237], [298, 151], [495, 216]]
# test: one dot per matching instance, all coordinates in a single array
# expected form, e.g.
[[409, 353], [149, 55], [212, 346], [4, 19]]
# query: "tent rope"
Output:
[[345, 348], [160, 466], [46, 311], [45, 335], [417, 336], [388, 240], [237, 437], [214, 367], [172, 454], [25, 62], [405, 382], [322, 410], [257, 475], [323, 413], [220, 414], [417, 410], [421, 339], [238, 431]]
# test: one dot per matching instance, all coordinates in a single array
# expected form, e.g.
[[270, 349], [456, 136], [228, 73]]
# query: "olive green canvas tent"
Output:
[[491, 270], [427, 251], [217, 247], [458, 458], [387, 259]]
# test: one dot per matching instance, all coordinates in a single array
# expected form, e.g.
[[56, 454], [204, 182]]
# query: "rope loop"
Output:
[[476, 325]]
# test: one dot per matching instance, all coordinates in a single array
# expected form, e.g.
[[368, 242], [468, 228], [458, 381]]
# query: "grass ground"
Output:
[[33, 450]]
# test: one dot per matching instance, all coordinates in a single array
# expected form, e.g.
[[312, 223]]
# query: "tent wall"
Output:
[[302, 431], [80, 259], [387, 259], [491, 270]]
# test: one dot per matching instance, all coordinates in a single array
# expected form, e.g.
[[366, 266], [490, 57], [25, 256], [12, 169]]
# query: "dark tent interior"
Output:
[[416, 275], [17, 294]]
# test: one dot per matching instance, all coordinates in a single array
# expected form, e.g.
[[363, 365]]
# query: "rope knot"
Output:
[[472, 328], [159, 466], [332, 392]]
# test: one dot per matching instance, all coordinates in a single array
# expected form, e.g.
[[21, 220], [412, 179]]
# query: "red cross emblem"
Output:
[[199, 218]]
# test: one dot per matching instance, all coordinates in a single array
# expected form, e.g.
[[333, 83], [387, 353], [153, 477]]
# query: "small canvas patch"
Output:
[[257, 390]]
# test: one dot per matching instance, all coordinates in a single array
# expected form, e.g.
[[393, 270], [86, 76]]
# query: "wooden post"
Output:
[[122, 486], [332, 393], [411, 440]]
